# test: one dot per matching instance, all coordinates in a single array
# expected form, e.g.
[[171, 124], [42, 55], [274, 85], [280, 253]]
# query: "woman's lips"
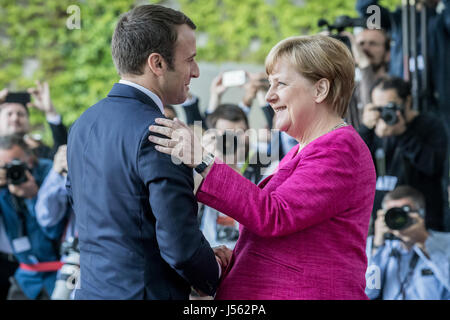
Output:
[[278, 109]]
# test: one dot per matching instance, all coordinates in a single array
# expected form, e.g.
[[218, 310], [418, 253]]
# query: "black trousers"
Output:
[[7, 269], [16, 292]]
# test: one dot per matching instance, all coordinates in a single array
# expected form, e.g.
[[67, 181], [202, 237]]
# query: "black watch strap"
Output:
[[206, 161]]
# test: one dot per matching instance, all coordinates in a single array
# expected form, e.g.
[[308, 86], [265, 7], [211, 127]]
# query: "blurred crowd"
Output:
[[408, 247]]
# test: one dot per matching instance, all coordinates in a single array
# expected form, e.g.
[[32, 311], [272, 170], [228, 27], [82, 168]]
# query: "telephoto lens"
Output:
[[398, 218]]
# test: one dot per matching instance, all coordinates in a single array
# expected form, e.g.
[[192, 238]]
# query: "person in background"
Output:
[[438, 40], [14, 119], [407, 147], [371, 51], [53, 207], [36, 248], [415, 264]]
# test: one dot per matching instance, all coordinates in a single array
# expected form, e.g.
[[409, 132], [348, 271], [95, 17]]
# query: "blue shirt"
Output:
[[52, 205], [43, 241], [390, 266]]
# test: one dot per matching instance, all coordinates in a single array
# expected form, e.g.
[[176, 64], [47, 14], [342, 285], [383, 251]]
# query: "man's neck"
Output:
[[144, 83], [379, 71]]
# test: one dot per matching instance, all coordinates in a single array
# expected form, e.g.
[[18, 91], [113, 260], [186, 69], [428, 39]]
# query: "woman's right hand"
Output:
[[181, 143], [223, 256]]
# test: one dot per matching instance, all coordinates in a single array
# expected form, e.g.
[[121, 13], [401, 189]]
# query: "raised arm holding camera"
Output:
[[14, 117]]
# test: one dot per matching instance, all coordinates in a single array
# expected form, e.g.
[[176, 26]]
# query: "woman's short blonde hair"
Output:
[[317, 57]]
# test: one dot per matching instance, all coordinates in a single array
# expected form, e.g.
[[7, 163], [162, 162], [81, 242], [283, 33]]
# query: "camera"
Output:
[[389, 113], [18, 97], [15, 172], [340, 24], [398, 218]]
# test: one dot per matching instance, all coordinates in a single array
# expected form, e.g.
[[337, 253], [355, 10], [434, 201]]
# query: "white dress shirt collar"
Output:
[[152, 96]]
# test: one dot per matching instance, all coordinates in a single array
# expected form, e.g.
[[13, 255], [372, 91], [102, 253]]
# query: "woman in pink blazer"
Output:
[[304, 228]]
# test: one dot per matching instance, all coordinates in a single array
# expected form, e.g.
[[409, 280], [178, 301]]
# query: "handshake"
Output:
[[223, 256]]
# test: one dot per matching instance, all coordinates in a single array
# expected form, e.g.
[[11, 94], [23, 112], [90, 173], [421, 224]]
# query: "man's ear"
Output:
[[321, 90], [408, 103], [156, 64]]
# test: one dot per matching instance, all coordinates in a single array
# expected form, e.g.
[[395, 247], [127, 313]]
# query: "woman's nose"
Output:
[[270, 96]]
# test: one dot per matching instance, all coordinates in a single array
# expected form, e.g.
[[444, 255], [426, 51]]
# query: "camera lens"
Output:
[[389, 116], [397, 218], [15, 172]]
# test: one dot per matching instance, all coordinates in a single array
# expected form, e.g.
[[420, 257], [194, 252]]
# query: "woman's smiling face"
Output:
[[291, 97]]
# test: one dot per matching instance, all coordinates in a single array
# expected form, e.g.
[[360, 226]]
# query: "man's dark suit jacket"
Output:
[[135, 209]]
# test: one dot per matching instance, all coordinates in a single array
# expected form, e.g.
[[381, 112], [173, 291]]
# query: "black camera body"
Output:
[[15, 172], [339, 25], [389, 113], [398, 218]]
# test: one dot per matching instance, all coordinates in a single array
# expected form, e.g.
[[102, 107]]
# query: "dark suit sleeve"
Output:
[[181, 243]]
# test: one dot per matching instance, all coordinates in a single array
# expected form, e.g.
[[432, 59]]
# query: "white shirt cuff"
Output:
[[54, 119]]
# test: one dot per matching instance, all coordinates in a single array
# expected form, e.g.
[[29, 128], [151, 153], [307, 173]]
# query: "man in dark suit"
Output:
[[135, 209]]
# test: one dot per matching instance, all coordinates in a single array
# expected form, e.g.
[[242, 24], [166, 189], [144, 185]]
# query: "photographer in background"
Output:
[[407, 147], [415, 264], [34, 247], [53, 207], [438, 47], [371, 51], [14, 118]]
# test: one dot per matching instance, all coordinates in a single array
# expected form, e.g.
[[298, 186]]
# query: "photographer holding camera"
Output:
[[407, 147], [33, 246], [414, 264]]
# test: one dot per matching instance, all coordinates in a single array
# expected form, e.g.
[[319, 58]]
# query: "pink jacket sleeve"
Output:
[[315, 190]]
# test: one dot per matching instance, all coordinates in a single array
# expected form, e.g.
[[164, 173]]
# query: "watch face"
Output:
[[209, 159]]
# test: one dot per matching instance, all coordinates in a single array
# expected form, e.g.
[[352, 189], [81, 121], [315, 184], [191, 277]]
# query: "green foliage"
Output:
[[78, 65]]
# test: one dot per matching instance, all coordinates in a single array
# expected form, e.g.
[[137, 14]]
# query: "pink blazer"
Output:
[[303, 229]]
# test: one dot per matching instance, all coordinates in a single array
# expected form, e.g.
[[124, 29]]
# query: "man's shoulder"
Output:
[[114, 113], [427, 123]]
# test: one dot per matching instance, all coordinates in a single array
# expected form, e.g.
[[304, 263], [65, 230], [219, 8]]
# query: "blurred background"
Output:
[[40, 40]]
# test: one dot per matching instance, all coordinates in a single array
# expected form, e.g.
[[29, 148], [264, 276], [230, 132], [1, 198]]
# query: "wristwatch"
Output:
[[206, 161]]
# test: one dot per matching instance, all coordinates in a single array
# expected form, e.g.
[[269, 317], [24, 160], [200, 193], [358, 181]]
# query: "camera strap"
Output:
[[19, 208], [406, 280]]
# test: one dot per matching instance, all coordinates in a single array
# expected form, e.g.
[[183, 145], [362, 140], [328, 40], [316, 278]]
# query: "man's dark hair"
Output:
[[228, 111], [405, 191], [144, 30], [9, 141], [402, 87]]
